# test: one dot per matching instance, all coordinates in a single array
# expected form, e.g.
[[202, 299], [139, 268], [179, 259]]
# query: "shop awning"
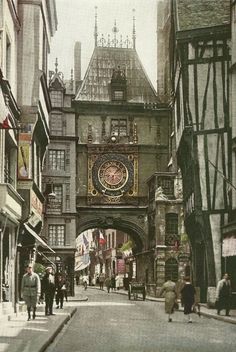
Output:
[[229, 247], [49, 260], [81, 266], [38, 238]]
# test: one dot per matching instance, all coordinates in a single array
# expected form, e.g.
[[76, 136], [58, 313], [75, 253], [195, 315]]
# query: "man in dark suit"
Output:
[[48, 289]]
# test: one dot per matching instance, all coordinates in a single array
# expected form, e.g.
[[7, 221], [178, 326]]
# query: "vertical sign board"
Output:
[[24, 156]]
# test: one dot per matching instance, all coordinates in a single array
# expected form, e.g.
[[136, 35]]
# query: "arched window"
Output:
[[171, 270], [172, 237]]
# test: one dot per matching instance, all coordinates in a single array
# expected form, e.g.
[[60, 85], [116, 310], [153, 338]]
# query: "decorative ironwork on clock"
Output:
[[113, 174]]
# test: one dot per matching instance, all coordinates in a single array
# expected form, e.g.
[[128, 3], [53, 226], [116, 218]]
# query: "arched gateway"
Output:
[[132, 223]]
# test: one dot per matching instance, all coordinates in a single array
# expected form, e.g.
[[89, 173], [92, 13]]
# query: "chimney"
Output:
[[77, 66]]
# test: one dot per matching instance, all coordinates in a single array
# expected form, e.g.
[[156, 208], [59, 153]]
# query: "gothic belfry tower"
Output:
[[123, 139]]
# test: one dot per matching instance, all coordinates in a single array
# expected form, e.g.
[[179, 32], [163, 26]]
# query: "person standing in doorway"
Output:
[[223, 295], [187, 297], [169, 290], [30, 290], [48, 289]]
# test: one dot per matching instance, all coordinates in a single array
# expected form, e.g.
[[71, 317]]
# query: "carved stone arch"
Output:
[[136, 232]]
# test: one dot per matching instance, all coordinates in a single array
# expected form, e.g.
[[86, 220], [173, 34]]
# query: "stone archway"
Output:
[[134, 225]]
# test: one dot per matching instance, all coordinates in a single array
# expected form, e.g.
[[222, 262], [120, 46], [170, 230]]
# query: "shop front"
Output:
[[229, 256]]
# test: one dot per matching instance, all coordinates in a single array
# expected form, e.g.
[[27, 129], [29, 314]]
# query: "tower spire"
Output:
[[115, 30], [96, 28], [56, 65], [134, 30]]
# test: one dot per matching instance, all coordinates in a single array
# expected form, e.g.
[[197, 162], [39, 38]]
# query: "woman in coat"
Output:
[[188, 297], [169, 290]]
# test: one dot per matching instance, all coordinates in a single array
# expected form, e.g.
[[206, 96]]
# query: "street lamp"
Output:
[[52, 195]]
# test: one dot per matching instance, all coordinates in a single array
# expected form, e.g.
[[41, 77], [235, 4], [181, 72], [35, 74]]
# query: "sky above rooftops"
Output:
[[76, 23]]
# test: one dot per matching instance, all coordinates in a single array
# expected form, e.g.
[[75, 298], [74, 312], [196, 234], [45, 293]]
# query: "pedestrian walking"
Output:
[[30, 290], [108, 284], [48, 290], [169, 290], [60, 291], [85, 281], [223, 295], [113, 283], [187, 297], [67, 286], [101, 280], [117, 278]]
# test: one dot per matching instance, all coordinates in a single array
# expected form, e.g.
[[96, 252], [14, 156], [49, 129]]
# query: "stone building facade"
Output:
[[11, 202], [60, 179], [38, 25], [25, 35]]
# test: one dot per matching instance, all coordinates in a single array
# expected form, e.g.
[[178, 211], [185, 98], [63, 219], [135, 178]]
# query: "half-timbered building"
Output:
[[200, 67]]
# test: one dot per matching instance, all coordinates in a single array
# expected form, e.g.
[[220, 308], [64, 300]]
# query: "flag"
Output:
[[86, 242], [101, 239], [5, 123]]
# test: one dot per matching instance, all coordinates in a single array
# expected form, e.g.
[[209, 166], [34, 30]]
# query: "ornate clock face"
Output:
[[113, 174]]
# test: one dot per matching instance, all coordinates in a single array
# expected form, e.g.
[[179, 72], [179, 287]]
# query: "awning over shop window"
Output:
[[83, 262], [37, 237], [81, 266], [229, 247]]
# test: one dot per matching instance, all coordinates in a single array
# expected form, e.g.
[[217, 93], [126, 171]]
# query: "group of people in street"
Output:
[[32, 289], [187, 292], [189, 301], [111, 283], [52, 286]]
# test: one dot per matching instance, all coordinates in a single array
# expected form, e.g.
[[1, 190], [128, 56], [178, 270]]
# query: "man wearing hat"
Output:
[[30, 289], [48, 289]]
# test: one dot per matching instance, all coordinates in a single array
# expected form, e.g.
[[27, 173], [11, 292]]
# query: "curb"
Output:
[[57, 331], [205, 314]]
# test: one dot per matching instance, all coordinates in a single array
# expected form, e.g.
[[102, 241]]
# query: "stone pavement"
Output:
[[19, 335]]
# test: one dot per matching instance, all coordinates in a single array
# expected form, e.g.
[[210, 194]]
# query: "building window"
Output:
[[118, 95], [58, 192], [8, 58], [167, 184], [56, 234], [57, 159], [171, 270], [56, 98], [119, 127], [56, 124], [172, 236]]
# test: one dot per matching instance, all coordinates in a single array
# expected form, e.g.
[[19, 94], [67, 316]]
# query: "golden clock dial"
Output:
[[113, 174]]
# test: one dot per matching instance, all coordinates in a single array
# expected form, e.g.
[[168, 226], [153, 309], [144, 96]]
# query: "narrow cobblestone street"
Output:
[[110, 322]]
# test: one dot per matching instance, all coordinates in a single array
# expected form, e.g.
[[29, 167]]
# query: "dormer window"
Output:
[[56, 98], [118, 85]]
